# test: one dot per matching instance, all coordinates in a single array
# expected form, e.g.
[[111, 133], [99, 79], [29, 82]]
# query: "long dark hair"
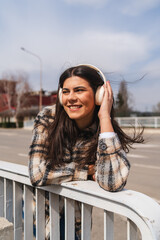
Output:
[[63, 132]]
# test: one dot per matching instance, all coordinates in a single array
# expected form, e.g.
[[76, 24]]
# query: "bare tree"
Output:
[[22, 88], [8, 87], [17, 90]]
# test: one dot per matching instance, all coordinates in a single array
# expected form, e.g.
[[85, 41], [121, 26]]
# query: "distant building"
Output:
[[32, 108], [27, 106]]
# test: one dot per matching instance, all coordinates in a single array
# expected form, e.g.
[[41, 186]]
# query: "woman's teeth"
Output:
[[74, 107]]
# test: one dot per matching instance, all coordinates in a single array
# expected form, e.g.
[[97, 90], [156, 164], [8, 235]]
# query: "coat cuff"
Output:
[[109, 145]]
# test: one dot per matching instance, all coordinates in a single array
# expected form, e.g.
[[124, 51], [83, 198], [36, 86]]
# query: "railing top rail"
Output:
[[141, 209], [126, 203], [150, 117], [14, 168]]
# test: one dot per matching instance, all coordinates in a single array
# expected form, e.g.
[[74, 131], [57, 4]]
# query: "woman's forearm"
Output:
[[112, 166]]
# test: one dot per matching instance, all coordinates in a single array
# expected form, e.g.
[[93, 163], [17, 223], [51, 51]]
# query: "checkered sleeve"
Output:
[[112, 166], [40, 171]]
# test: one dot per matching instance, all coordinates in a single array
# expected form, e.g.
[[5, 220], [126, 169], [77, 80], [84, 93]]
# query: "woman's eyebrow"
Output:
[[65, 88], [80, 87], [75, 88]]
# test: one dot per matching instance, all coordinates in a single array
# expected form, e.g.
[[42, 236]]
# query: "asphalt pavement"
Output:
[[145, 165]]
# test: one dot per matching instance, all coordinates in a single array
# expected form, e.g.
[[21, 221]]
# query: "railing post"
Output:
[[132, 233], [119, 121], [54, 216], [108, 225], [69, 219], [40, 214], [86, 215], [155, 122], [8, 200], [1, 197], [136, 122], [18, 196], [28, 213]]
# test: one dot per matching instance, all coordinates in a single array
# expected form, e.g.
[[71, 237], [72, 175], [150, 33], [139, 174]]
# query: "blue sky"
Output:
[[122, 38]]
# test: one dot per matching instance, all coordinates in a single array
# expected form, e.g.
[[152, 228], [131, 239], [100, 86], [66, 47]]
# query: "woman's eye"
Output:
[[65, 92], [79, 90]]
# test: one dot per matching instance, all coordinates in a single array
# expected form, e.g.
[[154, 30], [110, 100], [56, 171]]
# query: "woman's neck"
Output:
[[84, 124]]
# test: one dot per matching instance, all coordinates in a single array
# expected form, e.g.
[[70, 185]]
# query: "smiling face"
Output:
[[78, 100]]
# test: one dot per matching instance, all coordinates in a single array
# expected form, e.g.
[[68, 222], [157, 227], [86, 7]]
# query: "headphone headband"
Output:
[[95, 68]]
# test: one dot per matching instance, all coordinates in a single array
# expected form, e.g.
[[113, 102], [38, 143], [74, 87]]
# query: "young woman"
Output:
[[79, 139]]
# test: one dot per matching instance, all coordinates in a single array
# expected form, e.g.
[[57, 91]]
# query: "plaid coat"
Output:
[[112, 166]]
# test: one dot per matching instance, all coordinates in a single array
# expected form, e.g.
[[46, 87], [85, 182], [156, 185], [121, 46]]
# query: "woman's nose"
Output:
[[72, 96]]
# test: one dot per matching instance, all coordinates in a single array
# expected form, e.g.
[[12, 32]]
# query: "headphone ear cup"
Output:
[[99, 95], [60, 96]]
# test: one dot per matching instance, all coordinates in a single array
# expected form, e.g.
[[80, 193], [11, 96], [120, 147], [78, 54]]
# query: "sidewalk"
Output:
[[146, 130]]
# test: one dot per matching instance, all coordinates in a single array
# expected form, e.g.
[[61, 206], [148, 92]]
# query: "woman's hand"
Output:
[[107, 102], [105, 109], [91, 171]]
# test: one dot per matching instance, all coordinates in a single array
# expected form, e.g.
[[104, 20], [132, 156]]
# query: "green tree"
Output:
[[157, 108], [122, 103]]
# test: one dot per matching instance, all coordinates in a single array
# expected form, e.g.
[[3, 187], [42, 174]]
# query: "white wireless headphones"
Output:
[[100, 90]]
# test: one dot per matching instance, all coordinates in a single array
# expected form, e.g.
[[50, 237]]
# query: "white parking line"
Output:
[[135, 156], [8, 134], [146, 146], [22, 155], [146, 166], [5, 147]]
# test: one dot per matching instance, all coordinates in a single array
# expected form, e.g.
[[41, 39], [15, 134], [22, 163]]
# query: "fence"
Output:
[[151, 122], [141, 211], [28, 124]]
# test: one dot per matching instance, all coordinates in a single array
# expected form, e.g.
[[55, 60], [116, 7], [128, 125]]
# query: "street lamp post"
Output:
[[40, 60]]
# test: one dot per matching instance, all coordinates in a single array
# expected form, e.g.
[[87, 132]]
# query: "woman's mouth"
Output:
[[74, 107]]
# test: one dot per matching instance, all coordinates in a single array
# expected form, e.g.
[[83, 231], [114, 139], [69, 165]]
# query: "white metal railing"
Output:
[[141, 211], [152, 122], [28, 124]]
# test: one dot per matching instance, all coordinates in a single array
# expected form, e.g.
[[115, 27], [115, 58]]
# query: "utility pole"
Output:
[[40, 60]]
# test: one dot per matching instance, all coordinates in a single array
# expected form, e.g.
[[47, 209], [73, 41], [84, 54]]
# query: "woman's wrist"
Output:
[[104, 116], [106, 124]]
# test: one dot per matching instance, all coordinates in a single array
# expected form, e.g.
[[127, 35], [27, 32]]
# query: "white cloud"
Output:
[[114, 51], [153, 69], [61, 42], [146, 92], [135, 7], [94, 3], [146, 95]]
